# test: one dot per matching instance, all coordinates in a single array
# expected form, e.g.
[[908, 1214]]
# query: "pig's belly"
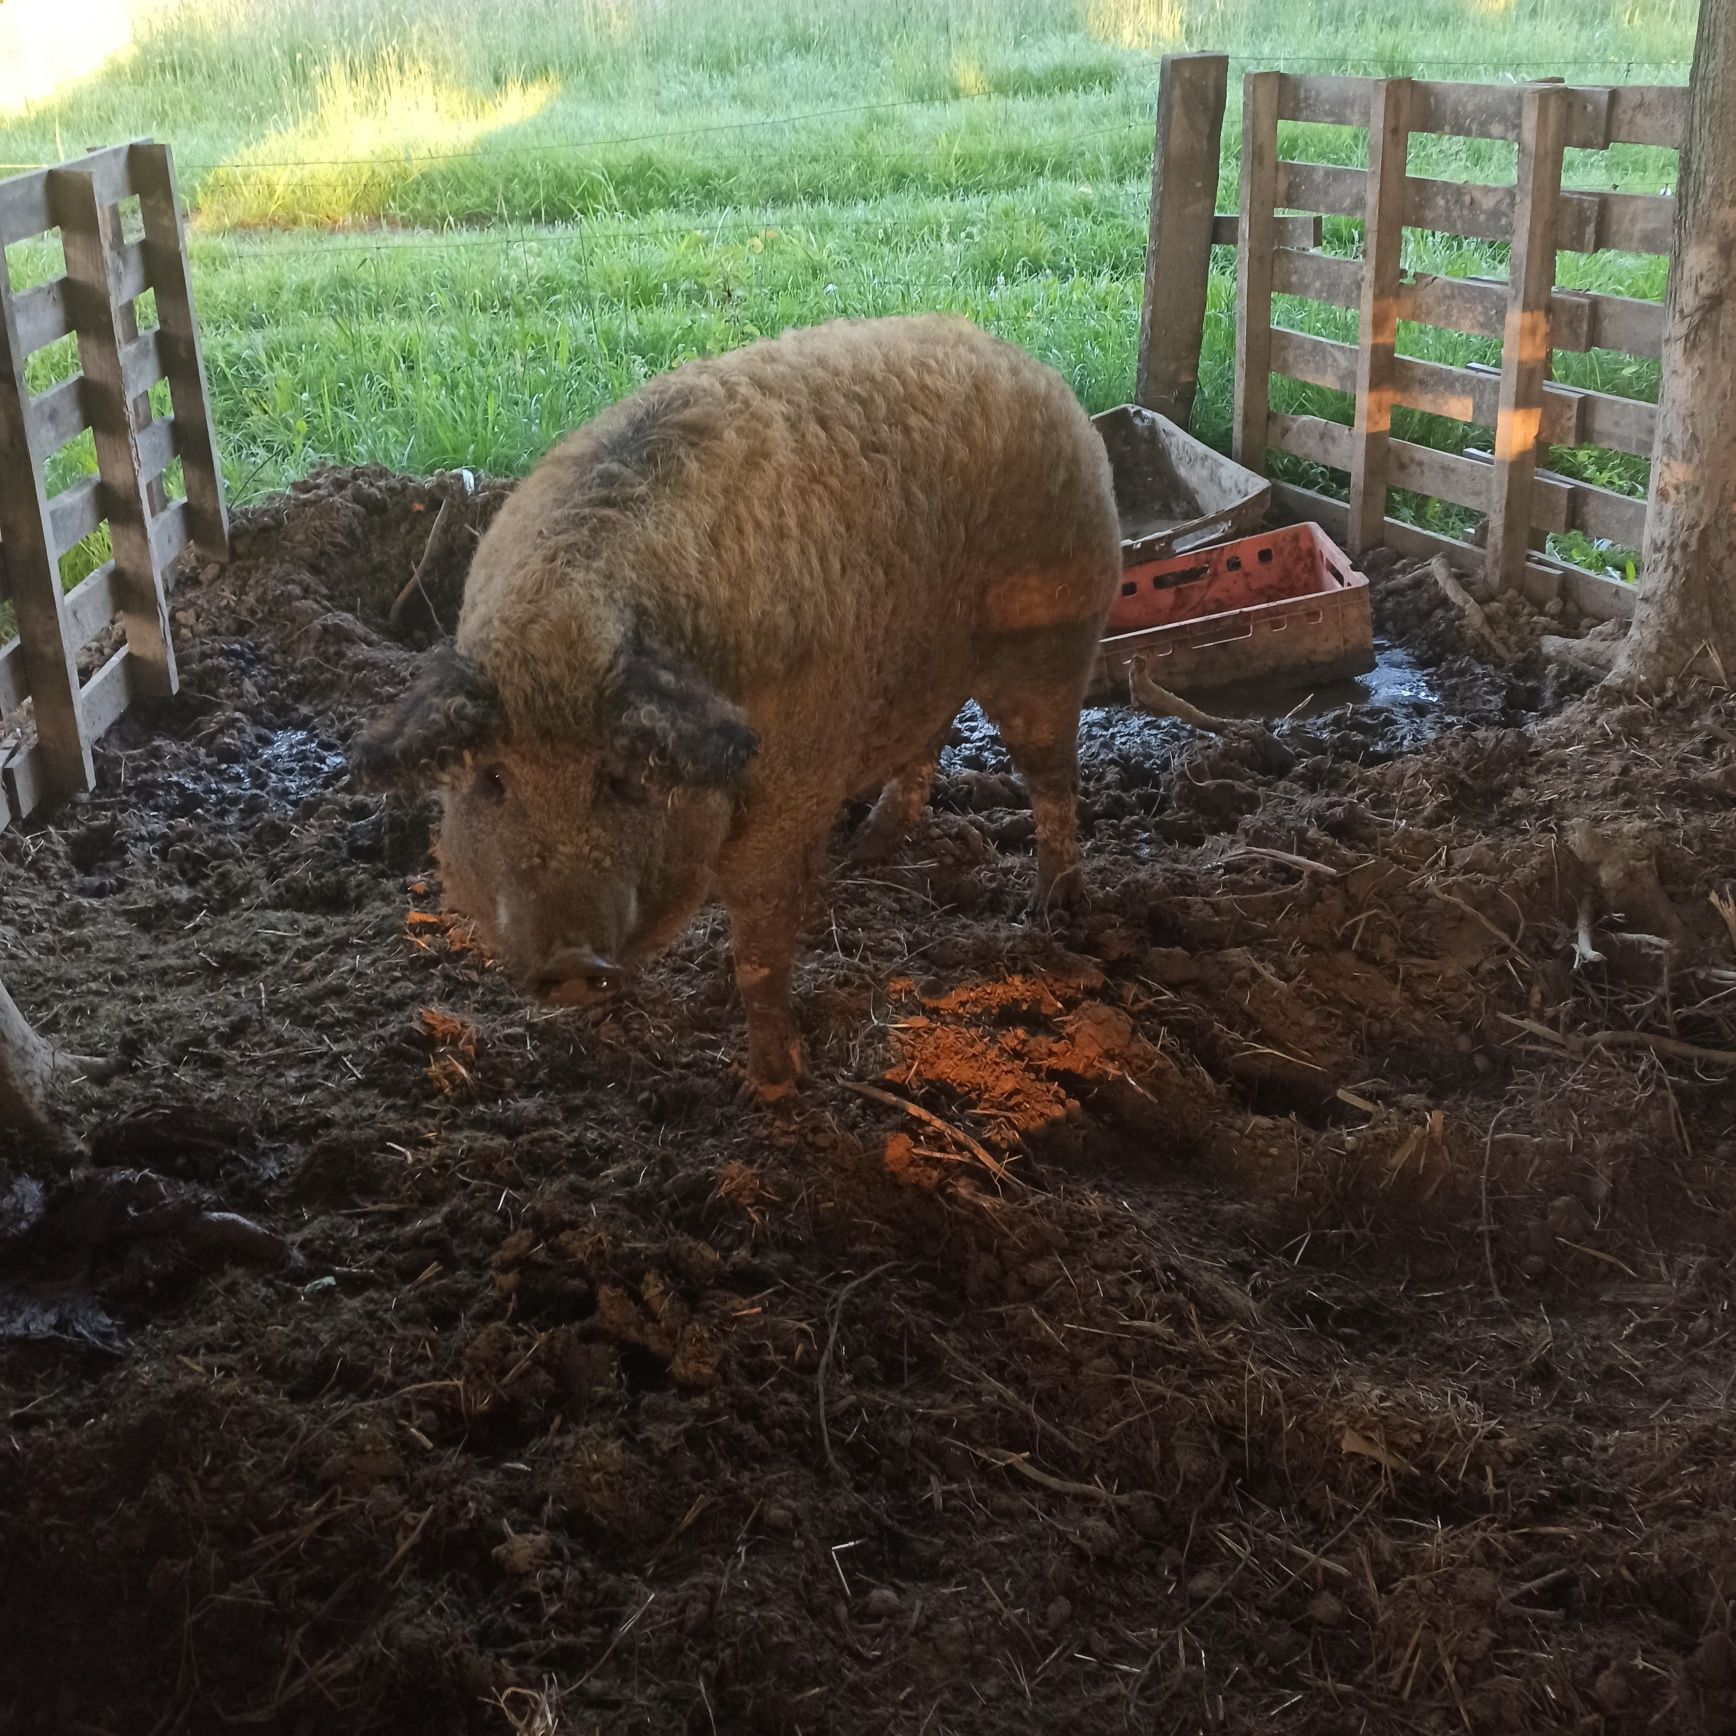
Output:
[[887, 746]]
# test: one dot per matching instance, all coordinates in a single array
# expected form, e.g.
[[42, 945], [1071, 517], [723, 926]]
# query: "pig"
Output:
[[761, 586]]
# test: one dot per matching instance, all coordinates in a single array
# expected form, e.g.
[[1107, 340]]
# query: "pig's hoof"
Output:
[[875, 839], [775, 1074], [769, 1093], [1064, 897]]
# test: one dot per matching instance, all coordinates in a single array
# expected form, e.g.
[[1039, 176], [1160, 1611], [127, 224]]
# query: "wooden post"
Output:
[[1686, 617], [88, 230], [1382, 249], [33, 571], [1525, 339], [1254, 267], [1178, 253], [153, 171], [28, 1070]]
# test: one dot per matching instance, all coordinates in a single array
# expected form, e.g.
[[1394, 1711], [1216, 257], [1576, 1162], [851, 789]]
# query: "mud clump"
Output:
[[1299, 1286]]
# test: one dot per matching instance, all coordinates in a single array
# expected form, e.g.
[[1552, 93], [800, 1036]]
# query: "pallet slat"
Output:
[[27, 204], [1587, 222], [153, 170], [41, 315], [74, 513], [14, 690], [159, 447], [1321, 187], [91, 606], [110, 691], [1313, 438], [142, 363], [1184, 189], [170, 535], [1598, 115], [1254, 334], [57, 416], [1525, 344], [1303, 231], [1378, 311]]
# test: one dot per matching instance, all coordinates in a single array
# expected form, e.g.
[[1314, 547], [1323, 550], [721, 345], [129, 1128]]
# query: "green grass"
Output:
[[433, 236]]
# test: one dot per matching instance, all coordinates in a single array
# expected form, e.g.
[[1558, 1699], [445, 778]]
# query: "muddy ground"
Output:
[[1295, 1297]]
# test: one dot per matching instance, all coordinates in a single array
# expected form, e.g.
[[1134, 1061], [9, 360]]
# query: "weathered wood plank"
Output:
[[27, 206], [1525, 344], [1469, 208], [132, 271], [1314, 361], [1623, 222], [1619, 322], [142, 359], [171, 532], [74, 513], [90, 606], [1444, 475], [1178, 257], [159, 446], [153, 170], [1472, 394], [1576, 418], [1325, 99], [57, 416], [1260, 92], [1648, 114], [1338, 192], [1598, 115], [123, 679], [29, 779], [41, 315], [1382, 247], [1313, 438], [1477, 306], [1320, 277], [1292, 231], [112, 373], [32, 570], [14, 686], [1601, 512], [1587, 222]]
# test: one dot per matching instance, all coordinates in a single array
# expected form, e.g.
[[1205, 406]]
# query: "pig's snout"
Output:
[[575, 977]]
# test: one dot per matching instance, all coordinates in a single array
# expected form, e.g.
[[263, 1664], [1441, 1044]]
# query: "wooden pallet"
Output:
[[49, 716], [1520, 499]]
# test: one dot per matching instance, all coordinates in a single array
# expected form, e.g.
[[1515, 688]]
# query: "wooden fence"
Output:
[[1521, 500], [50, 714]]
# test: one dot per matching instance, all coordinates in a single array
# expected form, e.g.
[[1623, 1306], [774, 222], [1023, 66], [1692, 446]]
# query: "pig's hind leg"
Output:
[[899, 807], [1033, 686]]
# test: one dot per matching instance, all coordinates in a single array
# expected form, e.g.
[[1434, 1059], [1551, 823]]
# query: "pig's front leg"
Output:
[[767, 898]]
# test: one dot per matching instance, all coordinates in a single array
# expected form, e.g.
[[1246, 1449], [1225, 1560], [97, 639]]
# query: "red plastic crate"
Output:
[[1285, 605]]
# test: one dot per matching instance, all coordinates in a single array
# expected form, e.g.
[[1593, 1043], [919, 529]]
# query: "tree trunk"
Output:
[[1686, 615], [29, 1068]]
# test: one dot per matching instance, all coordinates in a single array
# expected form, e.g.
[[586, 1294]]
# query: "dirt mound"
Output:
[[1295, 1292]]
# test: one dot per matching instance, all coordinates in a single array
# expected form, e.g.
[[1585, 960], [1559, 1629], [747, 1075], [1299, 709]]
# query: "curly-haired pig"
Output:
[[763, 584]]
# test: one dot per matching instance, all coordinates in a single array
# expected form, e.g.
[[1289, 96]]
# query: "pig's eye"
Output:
[[491, 785]]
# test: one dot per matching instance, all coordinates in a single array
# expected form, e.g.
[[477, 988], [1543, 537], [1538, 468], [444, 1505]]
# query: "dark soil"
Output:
[[1294, 1297]]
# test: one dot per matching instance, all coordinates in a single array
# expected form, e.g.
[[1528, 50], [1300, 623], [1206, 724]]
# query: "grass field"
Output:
[[441, 235]]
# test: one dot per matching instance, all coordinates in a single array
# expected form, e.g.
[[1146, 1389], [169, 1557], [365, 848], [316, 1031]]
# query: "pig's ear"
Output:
[[448, 711], [668, 728]]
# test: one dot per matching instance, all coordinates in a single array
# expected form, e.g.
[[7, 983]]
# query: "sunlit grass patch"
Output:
[[371, 129]]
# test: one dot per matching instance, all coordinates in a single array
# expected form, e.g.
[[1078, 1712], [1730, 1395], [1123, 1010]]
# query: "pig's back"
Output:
[[854, 507]]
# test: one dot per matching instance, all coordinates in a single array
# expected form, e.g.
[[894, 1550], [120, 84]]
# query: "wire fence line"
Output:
[[1276, 63]]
